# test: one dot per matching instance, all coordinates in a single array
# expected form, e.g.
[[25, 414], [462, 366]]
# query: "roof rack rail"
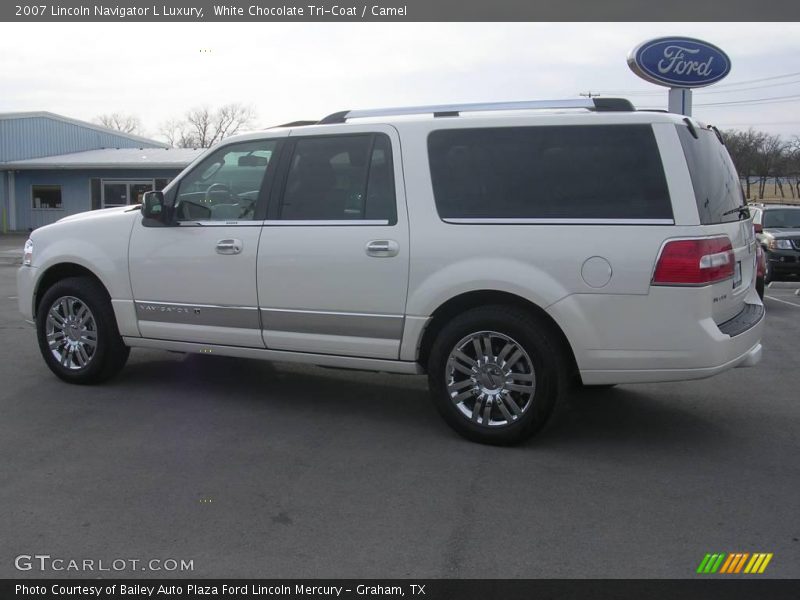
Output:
[[295, 124], [454, 110]]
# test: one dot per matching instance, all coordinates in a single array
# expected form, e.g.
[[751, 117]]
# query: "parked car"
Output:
[[778, 231], [502, 249], [761, 270]]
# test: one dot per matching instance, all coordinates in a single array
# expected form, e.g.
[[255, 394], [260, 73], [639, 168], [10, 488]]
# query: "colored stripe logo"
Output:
[[736, 562]]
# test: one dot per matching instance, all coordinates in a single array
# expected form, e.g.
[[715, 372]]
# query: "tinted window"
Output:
[[340, 178], [226, 185], [570, 172], [717, 188]]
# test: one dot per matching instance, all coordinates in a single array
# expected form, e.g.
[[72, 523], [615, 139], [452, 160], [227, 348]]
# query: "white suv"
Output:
[[503, 249]]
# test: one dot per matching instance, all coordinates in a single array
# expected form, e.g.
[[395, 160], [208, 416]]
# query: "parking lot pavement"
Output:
[[252, 469], [11, 248]]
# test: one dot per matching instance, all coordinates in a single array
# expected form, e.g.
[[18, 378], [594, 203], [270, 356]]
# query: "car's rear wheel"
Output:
[[495, 374], [77, 332]]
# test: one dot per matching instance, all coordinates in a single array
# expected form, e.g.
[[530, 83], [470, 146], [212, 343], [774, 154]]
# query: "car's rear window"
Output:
[[717, 188], [552, 172]]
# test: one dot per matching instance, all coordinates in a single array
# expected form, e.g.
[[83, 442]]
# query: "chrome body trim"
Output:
[[388, 327], [325, 360], [287, 223], [482, 221], [243, 317], [324, 222], [219, 223]]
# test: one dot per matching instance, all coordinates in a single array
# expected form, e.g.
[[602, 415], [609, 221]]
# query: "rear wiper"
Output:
[[744, 212]]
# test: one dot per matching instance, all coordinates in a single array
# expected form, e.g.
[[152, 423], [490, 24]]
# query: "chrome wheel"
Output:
[[490, 378], [71, 333]]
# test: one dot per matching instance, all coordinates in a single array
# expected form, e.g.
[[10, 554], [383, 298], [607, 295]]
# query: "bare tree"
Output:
[[177, 134], [203, 127], [125, 123], [744, 148], [768, 163]]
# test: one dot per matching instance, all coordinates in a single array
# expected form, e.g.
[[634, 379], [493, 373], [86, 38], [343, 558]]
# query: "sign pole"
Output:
[[680, 101]]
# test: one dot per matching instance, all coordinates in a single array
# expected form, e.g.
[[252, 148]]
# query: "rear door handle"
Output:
[[382, 248], [229, 247]]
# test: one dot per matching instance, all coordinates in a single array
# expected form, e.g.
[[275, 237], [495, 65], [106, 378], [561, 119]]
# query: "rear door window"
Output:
[[717, 188], [576, 172], [340, 178]]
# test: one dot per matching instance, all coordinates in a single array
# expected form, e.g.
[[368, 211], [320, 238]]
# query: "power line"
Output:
[[724, 85], [716, 86], [770, 100], [756, 87]]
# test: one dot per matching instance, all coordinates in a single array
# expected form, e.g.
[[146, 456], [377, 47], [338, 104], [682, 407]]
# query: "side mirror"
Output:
[[153, 206], [758, 228]]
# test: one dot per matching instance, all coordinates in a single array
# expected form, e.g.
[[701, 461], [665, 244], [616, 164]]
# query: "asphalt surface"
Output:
[[252, 469]]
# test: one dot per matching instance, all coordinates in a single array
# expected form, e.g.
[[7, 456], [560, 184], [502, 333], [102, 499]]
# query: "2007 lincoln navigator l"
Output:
[[503, 249]]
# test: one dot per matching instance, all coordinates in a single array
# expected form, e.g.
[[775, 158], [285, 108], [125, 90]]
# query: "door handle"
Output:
[[382, 248], [229, 247]]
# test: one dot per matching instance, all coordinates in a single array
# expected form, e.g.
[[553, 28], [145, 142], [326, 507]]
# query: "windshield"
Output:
[[782, 217]]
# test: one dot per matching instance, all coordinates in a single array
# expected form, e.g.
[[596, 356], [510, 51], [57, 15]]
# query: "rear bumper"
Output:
[[667, 335], [749, 359]]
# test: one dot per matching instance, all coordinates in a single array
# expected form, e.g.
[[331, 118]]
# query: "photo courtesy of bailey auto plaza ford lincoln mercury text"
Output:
[[421, 300]]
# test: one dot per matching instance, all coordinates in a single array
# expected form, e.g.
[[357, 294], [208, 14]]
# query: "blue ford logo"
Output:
[[679, 62]]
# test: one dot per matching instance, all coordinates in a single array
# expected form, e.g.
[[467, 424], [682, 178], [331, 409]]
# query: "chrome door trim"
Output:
[[243, 317], [328, 360], [482, 221], [219, 223], [367, 325], [287, 223], [324, 222]]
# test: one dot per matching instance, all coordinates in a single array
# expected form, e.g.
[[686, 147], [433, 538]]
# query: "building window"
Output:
[[122, 193], [46, 196]]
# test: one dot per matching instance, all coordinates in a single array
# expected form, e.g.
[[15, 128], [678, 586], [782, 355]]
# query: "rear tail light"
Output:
[[761, 263], [695, 262]]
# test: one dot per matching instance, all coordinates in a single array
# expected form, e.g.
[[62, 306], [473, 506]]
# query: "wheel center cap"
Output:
[[491, 378]]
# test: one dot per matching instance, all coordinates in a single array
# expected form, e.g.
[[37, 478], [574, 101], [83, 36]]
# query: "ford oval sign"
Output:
[[679, 62]]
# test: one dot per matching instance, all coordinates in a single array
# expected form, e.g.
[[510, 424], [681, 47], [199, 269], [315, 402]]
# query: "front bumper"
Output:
[[26, 288], [785, 262]]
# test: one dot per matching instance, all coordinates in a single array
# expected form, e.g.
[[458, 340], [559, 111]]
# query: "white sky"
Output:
[[291, 71]]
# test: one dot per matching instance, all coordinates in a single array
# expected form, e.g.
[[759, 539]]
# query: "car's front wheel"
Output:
[[495, 374], [77, 332], [768, 274]]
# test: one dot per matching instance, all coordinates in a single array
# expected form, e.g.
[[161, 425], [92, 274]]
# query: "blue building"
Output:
[[52, 166]]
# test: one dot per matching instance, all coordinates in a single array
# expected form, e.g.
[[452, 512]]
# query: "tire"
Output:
[[760, 286], [767, 272], [74, 314], [457, 386]]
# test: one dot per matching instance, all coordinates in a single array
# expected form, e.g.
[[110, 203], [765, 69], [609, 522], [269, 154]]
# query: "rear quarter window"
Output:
[[717, 188], [549, 172]]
